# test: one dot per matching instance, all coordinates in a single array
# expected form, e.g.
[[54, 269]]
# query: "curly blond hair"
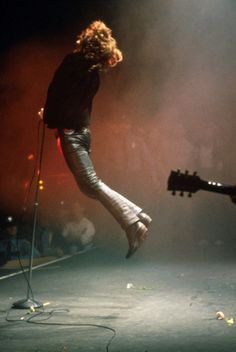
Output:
[[97, 44]]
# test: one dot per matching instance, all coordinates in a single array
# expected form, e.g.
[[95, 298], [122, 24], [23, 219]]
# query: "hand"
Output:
[[233, 198], [59, 252]]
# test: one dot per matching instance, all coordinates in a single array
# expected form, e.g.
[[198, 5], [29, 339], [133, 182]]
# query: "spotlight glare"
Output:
[[30, 157]]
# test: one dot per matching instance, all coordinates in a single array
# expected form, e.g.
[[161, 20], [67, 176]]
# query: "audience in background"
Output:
[[12, 244], [78, 231], [70, 232], [51, 241]]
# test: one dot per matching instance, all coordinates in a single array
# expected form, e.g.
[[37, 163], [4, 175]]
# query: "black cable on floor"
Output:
[[30, 319]]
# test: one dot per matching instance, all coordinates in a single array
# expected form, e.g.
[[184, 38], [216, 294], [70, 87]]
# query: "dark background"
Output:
[[169, 105]]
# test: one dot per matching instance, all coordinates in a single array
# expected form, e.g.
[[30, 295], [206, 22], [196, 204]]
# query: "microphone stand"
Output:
[[29, 301]]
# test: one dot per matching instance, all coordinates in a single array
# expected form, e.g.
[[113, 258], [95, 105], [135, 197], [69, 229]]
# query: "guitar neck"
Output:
[[217, 187]]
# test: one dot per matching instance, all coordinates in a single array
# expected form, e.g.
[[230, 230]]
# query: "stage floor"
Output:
[[170, 306]]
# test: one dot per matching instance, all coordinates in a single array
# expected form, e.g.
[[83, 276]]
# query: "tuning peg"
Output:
[[178, 171], [186, 172], [195, 173], [181, 194], [173, 193], [190, 195]]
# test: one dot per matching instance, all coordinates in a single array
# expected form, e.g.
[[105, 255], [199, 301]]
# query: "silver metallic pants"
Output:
[[76, 148]]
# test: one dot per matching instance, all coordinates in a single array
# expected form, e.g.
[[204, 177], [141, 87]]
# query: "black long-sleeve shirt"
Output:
[[70, 94]]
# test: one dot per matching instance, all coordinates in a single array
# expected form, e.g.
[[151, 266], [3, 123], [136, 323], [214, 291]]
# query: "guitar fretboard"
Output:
[[217, 187]]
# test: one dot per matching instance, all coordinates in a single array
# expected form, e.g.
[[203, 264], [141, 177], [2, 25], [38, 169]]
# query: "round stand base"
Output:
[[26, 303]]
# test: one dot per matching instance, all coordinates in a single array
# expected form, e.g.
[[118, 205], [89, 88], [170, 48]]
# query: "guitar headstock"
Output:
[[183, 182]]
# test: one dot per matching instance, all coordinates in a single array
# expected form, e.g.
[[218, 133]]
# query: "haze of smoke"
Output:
[[169, 105]]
